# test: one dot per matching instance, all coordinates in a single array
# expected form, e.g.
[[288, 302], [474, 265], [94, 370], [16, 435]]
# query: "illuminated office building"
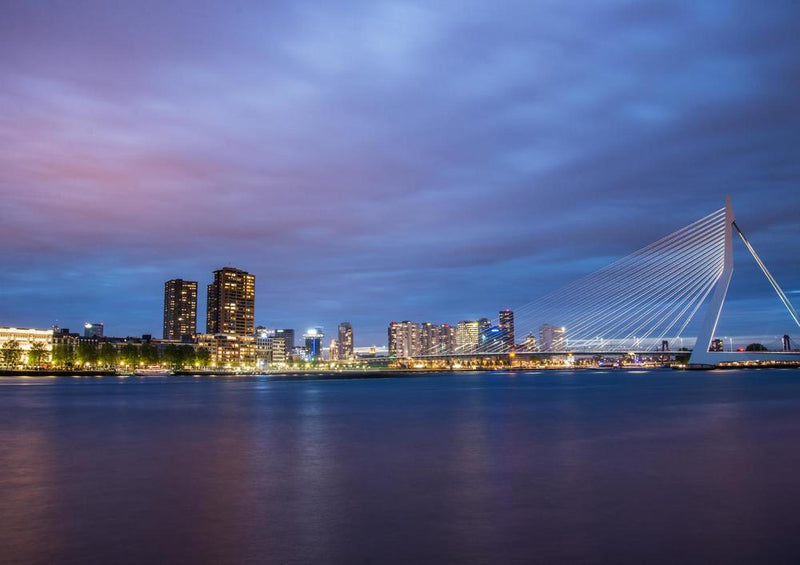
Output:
[[313, 340], [93, 329]]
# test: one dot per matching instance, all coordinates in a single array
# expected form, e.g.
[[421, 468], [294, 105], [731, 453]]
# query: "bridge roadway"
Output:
[[540, 354]]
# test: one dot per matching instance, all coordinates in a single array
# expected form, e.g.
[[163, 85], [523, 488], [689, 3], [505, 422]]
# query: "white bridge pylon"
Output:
[[701, 354]]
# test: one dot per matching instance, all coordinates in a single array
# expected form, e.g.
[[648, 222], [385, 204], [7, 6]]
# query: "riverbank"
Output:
[[371, 373], [58, 373]]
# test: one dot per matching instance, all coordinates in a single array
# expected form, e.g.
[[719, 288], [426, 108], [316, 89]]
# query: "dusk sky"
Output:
[[377, 161]]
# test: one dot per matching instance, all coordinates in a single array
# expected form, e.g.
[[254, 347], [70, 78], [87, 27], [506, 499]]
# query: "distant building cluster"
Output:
[[469, 337], [231, 339], [231, 336]]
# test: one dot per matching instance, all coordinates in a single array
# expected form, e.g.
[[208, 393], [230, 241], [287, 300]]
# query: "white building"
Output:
[[26, 338]]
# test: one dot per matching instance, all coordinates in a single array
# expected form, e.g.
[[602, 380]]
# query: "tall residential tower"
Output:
[[180, 308], [506, 325], [231, 303], [345, 342]]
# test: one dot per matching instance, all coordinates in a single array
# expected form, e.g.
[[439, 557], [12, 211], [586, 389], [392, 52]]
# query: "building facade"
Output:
[[506, 325], [345, 341], [287, 335], [29, 343], [404, 339], [529, 344], [231, 303], [552, 338], [467, 336], [93, 329], [313, 344], [180, 309], [229, 351], [429, 338]]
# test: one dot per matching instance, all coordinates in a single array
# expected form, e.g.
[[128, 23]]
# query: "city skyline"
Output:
[[472, 160]]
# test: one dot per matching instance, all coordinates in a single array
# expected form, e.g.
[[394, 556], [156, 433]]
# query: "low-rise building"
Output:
[[27, 340]]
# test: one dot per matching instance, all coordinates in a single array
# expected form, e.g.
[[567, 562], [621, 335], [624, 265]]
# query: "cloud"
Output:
[[380, 160]]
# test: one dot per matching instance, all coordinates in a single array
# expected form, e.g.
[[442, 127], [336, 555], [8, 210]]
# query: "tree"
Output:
[[186, 355], [108, 355], [63, 355], [11, 353], [87, 353], [36, 354], [202, 356], [170, 357], [130, 355], [755, 347], [177, 356], [148, 354]]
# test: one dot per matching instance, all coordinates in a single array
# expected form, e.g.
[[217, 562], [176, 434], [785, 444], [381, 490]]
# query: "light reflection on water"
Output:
[[540, 466]]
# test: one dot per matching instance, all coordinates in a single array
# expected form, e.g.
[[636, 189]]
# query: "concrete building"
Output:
[[287, 335], [180, 309], [429, 338], [345, 342], [404, 339], [27, 339], [529, 344], [93, 329], [506, 325], [231, 303], [229, 351], [437, 339], [467, 336], [313, 344], [552, 338]]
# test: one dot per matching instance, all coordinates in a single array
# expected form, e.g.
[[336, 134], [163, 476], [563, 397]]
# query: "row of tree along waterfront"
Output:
[[102, 355]]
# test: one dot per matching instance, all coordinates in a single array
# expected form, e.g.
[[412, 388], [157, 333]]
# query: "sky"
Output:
[[376, 161]]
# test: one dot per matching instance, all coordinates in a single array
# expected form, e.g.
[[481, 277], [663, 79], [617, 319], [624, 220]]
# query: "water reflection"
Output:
[[552, 467]]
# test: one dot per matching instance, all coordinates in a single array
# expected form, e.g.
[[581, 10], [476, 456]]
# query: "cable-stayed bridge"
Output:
[[643, 302]]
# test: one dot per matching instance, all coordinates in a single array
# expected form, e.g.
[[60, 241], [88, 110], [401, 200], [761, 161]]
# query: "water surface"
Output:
[[547, 467]]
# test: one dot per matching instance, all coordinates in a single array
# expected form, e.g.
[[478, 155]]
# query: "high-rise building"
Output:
[[345, 342], [231, 303], [437, 339], [93, 329], [429, 338], [404, 339], [287, 335], [530, 343], [333, 351], [278, 351], [467, 336], [484, 329], [506, 325], [313, 339], [180, 308], [447, 339], [552, 338], [492, 340]]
